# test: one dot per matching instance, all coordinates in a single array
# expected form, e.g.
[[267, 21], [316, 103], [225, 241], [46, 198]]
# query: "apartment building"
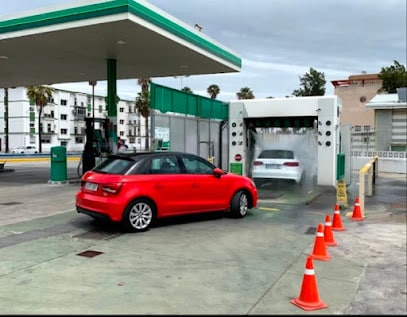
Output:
[[356, 92], [63, 120]]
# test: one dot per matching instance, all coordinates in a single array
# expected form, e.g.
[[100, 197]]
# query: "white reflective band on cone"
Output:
[[320, 234], [309, 272]]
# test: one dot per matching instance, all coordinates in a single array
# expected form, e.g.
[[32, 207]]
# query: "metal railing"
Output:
[[369, 171]]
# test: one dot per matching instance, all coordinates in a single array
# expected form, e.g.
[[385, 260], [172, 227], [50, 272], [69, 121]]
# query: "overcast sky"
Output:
[[278, 41]]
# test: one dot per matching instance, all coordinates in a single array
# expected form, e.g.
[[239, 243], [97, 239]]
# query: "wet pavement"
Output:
[[55, 261]]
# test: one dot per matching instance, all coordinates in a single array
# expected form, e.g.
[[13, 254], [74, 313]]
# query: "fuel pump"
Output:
[[96, 145]]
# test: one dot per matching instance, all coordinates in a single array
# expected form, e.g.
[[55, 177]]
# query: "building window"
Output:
[[63, 102], [79, 140], [121, 109], [366, 128], [63, 116], [100, 108], [121, 133], [121, 121], [64, 131], [358, 128], [64, 143]]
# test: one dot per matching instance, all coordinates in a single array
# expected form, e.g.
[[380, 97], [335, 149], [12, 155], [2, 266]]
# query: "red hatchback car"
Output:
[[136, 189]]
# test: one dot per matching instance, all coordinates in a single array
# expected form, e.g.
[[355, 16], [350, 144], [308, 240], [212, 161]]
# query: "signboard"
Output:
[[341, 196], [236, 168], [163, 133]]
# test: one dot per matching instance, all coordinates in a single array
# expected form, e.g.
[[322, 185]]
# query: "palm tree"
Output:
[[40, 95], [187, 90], [245, 93], [213, 91], [143, 105]]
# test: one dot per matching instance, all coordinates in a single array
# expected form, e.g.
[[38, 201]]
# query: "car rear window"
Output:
[[114, 166], [277, 154]]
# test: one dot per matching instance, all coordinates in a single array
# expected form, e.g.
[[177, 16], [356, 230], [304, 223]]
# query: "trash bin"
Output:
[[58, 163]]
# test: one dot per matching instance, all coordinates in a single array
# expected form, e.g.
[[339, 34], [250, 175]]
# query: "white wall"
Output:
[[386, 164]]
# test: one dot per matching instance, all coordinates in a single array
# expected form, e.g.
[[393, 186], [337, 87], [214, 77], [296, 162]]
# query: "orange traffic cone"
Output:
[[319, 252], [328, 234], [337, 220], [309, 298], [357, 212]]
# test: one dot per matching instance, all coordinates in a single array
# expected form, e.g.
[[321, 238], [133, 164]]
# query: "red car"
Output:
[[136, 189]]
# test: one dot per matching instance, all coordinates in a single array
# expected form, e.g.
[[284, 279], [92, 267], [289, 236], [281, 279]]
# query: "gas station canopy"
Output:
[[73, 42]]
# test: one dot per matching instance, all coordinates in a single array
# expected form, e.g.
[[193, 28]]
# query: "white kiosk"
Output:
[[322, 112]]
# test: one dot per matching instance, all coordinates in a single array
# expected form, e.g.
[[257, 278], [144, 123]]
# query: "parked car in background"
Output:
[[28, 149], [136, 189], [277, 164]]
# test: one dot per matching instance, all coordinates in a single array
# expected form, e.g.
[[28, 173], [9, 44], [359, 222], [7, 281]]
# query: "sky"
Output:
[[277, 40]]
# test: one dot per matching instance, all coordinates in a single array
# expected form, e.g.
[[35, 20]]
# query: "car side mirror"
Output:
[[218, 172]]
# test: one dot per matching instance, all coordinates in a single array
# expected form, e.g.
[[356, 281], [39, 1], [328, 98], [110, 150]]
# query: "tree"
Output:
[[40, 95], [313, 84], [394, 76], [245, 93], [187, 90], [143, 105], [213, 91]]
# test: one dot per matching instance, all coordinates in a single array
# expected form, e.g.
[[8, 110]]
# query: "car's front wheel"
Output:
[[239, 204], [139, 215]]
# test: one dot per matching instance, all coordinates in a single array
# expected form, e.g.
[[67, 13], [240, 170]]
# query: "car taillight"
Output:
[[257, 163], [111, 188], [291, 164]]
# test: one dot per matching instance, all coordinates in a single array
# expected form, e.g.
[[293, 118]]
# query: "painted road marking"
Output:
[[268, 209], [40, 159]]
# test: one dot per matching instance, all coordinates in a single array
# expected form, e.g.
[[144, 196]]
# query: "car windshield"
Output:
[[277, 154], [114, 165]]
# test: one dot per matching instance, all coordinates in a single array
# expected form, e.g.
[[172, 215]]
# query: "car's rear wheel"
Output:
[[139, 215], [239, 204]]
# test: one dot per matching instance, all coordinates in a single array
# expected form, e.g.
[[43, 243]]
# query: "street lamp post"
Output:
[[93, 84], [6, 118]]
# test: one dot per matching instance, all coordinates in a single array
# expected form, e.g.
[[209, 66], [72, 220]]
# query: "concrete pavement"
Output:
[[214, 265]]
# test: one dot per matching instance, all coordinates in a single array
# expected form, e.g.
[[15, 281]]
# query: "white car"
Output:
[[29, 149], [277, 164]]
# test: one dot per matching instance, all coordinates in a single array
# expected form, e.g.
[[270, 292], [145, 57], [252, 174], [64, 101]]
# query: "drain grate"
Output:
[[311, 230], [89, 253], [11, 203]]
